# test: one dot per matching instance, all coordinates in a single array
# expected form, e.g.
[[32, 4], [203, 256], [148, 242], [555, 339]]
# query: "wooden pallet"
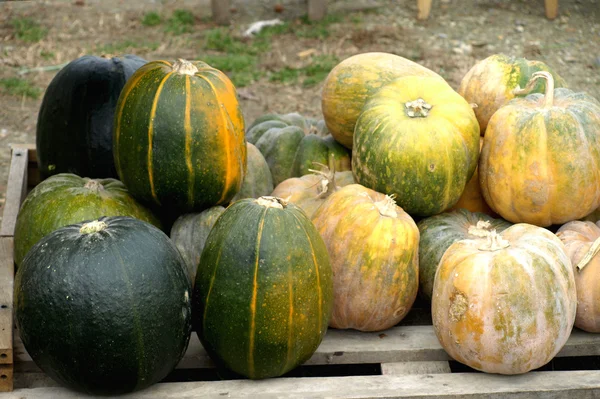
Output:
[[406, 361]]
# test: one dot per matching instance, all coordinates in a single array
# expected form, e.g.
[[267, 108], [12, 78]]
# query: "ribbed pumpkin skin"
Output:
[[75, 122], [542, 165], [440, 231], [373, 245], [355, 79], [425, 161], [65, 199], [189, 234], [307, 191], [263, 292], [507, 311], [490, 83], [291, 144], [578, 237], [258, 180], [179, 138], [106, 312]]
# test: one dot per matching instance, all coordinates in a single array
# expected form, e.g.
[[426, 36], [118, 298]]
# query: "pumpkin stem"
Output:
[[417, 109], [387, 206], [271, 202], [548, 95], [593, 251], [93, 185], [184, 67], [327, 184], [481, 229], [494, 242], [92, 227]]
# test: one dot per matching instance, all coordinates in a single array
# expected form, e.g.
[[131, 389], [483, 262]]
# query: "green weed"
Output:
[[20, 87], [28, 30], [151, 19], [180, 22]]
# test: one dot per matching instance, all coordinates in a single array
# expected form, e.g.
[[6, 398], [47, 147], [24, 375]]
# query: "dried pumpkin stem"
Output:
[[494, 242], [184, 67], [481, 229], [271, 202], [418, 108], [548, 95], [589, 255], [92, 227], [387, 206], [327, 183], [93, 185]]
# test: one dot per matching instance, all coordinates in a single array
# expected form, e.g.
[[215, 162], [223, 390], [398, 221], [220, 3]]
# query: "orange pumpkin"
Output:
[[582, 242], [505, 303], [373, 245]]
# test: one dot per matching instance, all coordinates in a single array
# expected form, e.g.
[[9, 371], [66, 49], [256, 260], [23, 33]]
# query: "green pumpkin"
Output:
[[291, 144], [258, 180]]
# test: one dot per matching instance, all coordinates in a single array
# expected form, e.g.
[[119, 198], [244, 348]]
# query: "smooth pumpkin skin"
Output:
[[264, 291], [425, 161], [258, 180], [578, 238], [349, 85], [490, 83], [65, 199], [373, 245], [310, 191], [438, 232], [541, 165], [189, 234], [179, 136], [106, 312], [291, 144], [506, 311], [75, 122]]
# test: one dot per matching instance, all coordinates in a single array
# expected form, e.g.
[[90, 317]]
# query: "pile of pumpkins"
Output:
[[161, 211]]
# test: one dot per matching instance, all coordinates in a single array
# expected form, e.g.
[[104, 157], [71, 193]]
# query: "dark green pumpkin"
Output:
[[104, 307], [258, 180], [75, 122], [264, 291], [291, 144], [65, 199], [440, 231]]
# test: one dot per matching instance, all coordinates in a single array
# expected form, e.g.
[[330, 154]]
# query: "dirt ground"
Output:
[[457, 35]]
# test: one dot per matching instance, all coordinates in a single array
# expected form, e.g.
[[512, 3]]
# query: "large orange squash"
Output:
[[353, 80], [373, 245], [540, 161], [582, 241], [506, 303]]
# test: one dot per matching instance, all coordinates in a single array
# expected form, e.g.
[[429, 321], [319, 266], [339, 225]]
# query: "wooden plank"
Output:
[[423, 9], [221, 11], [317, 9], [551, 8], [6, 300], [6, 377], [15, 191], [547, 385], [402, 368]]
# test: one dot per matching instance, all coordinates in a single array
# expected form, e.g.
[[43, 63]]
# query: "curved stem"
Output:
[[548, 95], [184, 67], [494, 242], [481, 229], [593, 251], [271, 202], [387, 206], [328, 185]]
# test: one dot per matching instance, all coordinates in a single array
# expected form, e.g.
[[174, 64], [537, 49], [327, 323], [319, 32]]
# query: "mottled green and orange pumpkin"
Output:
[[374, 250], [494, 81], [540, 162], [438, 232], [179, 136], [353, 81], [582, 242], [418, 139], [263, 293], [505, 303]]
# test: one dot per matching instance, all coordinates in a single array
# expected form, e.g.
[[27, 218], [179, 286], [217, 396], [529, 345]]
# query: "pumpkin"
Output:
[[505, 303], [65, 199], [310, 191], [189, 234], [104, 307], [493, 82], [258, 180], [373, 246], [266, 269], [582, 241], [75, 121], [291, 144], [179, 136], [539, 163], [353, 81], [417, 139], [438, 232], [471, 198]]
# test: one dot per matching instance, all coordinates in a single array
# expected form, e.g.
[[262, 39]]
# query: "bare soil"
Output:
[[457, 35]]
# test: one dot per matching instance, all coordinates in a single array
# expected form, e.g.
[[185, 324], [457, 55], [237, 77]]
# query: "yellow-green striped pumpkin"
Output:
[[178, 137]]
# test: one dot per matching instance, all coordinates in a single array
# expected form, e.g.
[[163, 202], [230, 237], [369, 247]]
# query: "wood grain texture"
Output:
[[6, 377], [16, 190], [404, 368], [6, 300], [551, 8]]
